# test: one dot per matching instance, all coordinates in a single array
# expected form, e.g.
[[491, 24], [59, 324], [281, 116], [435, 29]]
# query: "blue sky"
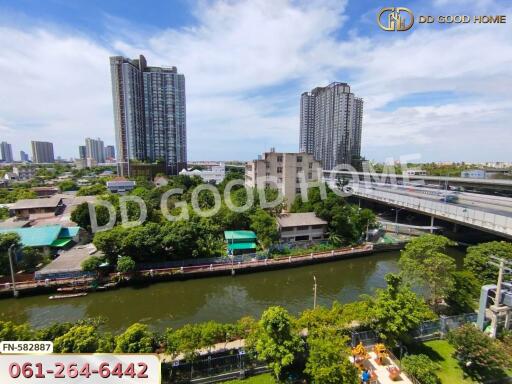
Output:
[[437, 92]]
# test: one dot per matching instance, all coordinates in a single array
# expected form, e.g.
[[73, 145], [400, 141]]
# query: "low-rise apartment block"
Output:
[[284, 171]]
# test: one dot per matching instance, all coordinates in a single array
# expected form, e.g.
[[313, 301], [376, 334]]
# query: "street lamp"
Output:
[[314, 292], [11, 265]]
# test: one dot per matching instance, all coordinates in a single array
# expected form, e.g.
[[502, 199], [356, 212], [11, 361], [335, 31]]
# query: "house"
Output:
[[45, 191], [50, 236], [414, 172], [214, 174], [240, 242], [306, 226], [22, 209], [161, 181], [120, 185], [11, 176], [25, 173]]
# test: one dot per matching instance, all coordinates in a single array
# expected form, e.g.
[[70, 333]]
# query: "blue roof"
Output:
[[69, 232], [36, 236]]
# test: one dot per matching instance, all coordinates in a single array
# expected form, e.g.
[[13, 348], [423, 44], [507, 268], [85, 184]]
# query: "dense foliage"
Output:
[[424, 262], [477, 352], [421, 367], [478, 257]]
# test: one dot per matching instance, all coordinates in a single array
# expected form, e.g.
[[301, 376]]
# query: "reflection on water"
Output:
[[224, 299]]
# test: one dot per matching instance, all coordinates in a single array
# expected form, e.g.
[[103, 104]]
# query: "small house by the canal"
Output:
[[240, 242]]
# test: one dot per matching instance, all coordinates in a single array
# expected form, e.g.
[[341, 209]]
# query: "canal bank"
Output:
[[151, 276], [220, 298]]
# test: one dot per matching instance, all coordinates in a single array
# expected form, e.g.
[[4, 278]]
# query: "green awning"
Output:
[[59, 243], [239, 235], [241, 246]]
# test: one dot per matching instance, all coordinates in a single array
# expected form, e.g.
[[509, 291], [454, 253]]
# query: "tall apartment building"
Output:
[[24, 156], [110, 152], [82, 152], [42, 152], [95, 149], [149, 114], [6, 152], [288, 170], [331, 124]]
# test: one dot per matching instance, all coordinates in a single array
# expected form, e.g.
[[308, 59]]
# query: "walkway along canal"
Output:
[[222, 298]]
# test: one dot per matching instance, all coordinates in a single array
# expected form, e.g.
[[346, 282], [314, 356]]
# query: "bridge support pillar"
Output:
[[432, 224], [455, 227]]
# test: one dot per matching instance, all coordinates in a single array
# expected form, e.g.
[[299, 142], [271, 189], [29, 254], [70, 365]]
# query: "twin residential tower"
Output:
[[149, 114], [331, 120]]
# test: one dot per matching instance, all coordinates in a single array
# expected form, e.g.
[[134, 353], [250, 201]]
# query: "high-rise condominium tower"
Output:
[[95, 149], [6, 152], [82, 152], [149, 114], [42, 152], [330, 124]]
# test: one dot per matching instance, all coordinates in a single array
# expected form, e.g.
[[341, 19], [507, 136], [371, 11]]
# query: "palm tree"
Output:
[[335, 239]]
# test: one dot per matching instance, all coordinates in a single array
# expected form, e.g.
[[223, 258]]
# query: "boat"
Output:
[[72, 289], [56, 297]]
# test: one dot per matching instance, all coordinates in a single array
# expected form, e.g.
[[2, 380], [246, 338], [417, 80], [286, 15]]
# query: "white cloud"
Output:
[[246, 64]]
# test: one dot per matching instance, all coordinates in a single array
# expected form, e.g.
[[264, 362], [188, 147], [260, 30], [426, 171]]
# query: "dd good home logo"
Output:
[[395, 19]]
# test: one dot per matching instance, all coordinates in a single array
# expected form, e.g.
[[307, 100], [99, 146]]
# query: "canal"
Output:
[[224, 299]]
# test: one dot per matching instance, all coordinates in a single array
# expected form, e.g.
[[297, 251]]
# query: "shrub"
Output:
[[421, 367]]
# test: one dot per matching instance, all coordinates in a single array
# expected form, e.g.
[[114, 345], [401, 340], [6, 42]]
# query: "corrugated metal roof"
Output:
[[51, 202], [241, 246], [298, 219], [36, 236], [69, 232], [239, 235]]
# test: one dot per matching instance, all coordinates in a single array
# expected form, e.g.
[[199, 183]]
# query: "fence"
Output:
[[427, 330], [186, 372]]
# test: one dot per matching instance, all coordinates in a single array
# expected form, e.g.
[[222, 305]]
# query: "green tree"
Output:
[[6, 241], [478, 257], [91, 190], [4, 213], [423, 261], [53, 331], [125, 264], [278, 341], [91, 264], [397, 310], [67, 185], [10, 331], [111, 242], [32, 257], [422, 368], [81, 217], [328, 362], [476, 351], [265, 227], [136, 339], [463, 294], [79, 339]]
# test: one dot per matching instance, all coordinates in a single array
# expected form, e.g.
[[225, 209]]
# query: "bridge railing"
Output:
[[487, 220]]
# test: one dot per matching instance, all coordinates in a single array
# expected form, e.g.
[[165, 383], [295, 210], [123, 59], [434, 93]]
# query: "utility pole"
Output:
[[314, 292], [11, 265], [496, 309]]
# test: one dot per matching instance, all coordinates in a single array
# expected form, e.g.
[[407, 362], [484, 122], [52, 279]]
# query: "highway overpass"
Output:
[[492, 214]]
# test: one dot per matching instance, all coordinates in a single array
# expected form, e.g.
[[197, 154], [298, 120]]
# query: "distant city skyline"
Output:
[[243, 88]]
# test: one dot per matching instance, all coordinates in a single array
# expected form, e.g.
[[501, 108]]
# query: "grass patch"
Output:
[[441, 352], [266, 378]]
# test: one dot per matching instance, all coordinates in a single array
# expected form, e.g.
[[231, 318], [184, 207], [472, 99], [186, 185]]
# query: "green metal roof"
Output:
[[36, 236], [59, 243], [69, 232], [239, 235], [241, 246]]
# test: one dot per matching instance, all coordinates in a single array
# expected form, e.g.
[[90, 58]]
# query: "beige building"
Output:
[[294, 227], [285, 171]]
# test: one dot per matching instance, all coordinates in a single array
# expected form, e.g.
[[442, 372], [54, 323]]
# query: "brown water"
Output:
[[225, 299]]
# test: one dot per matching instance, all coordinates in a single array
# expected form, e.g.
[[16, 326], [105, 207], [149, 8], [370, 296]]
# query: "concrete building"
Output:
[[331, 124], [110, 152], [474, 174], [22, 209], [42, 152], [95, 149], [6, 152], [284, 171], [82, 152], [149, 114], [120, 185], [24, 156], [213, 174], [414, 172], [25, 172], [294, 227]]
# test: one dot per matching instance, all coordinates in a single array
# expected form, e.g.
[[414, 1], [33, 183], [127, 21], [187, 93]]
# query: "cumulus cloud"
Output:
[[246, 64]]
